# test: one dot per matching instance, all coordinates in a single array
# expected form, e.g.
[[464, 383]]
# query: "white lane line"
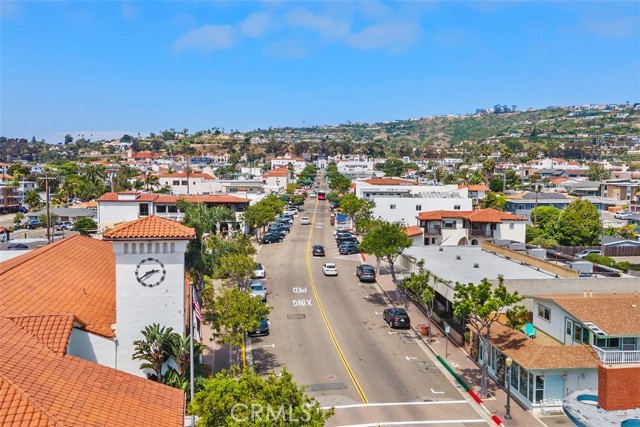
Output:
[[413, 423], [411, 358], [392, 332], [269, 345], [436, 392], [367, 405]]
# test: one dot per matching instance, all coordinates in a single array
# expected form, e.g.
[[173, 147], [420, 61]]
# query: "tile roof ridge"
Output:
[[20, 259], [23, 393]]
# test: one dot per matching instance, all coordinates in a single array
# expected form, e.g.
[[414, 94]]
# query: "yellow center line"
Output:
[[324, 314]]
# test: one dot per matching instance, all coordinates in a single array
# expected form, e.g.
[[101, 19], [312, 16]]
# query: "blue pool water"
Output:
[[588, 399], [634, 422]]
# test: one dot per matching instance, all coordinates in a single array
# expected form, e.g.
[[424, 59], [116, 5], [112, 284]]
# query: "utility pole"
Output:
[[535, 209], [46, 177]]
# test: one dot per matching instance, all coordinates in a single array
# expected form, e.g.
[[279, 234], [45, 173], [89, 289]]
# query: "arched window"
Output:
[[157, 248], [141, 248], [133, 248], [126, 248], [149, 247], [164, 248], [173, 247]]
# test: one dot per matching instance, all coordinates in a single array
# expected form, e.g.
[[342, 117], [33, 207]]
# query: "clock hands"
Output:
[[149, 273]]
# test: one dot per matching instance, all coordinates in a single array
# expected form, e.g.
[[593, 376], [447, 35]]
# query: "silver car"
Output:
[[257, 289]]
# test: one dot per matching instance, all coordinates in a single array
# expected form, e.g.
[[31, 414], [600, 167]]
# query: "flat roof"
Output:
[[445, 265]]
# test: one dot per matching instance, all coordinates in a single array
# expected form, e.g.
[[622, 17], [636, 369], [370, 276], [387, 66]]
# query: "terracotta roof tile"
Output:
[[389, 181], [52, 330], [184, 175], [599, 308], [140, 197], [278, 172], [41, 388], [210, 199], [479, 215], [150, 227], [413, 231], [527, 352], [74, 275]]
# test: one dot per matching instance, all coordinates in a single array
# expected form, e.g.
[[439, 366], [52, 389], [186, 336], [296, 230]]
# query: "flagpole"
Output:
[[191, 329]]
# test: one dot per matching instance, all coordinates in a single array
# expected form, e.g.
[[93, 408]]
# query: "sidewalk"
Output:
[[458, 359]]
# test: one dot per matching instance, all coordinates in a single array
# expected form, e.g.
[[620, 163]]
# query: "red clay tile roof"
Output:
[[479, 215], [413, 231], [531, 355], [389, 181], [184, 175], [210, 198], [140, 197], [41, 388], [52, 330], [74, 275], [150, 227], [278, 172], [615, 314]]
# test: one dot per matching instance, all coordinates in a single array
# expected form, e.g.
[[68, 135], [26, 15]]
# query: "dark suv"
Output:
[[366, 273], [318, 250], [396, 317], [348, 248]]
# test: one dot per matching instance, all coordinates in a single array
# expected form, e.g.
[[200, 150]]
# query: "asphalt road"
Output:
[[329, 332]]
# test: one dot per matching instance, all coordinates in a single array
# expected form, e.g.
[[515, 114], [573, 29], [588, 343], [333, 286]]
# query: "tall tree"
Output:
[[579, 224], [247, 399], [545, 219], [418, 285], [597, 172], [494, 201], [154, 349], [387, 241], [482, 305]]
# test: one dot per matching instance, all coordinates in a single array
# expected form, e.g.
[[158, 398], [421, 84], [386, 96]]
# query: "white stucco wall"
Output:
[[555, 326], [92, 347], [518, 233], [138, 306], [197, 186], [110, 213], [408, 208]]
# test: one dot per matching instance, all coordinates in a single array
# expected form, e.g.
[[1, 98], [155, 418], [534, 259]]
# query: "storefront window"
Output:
[[524, 375], [539, 388], [515, 371]]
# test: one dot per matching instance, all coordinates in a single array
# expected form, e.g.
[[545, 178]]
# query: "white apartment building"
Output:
[[356, 168], [276, 180], [194, 183], [298, 163]]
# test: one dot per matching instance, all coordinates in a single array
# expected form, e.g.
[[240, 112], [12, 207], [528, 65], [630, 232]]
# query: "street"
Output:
[[329, 332]]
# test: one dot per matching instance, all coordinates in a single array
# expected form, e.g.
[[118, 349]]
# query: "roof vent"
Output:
[[458, 257], [476, 265], [440, 249]]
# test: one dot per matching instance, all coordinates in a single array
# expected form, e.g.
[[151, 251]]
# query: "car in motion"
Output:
[[583, 254], [271, 238], [305, 220], [330, 269], [318, 250], [262, 329], [259, 272], [348, 248], [366, 273], [396, 317], [257, 289]]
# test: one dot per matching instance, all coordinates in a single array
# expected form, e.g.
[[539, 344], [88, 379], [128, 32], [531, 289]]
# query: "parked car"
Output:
[[257, 289], [17, 247], [259, 272], [305, 220], [584, 253], [622, 214], [396, 317], [348, 248], [284, 220], [280, 227], [34, 224], [346, 239], [262, 329], [318, 250], [63, 225], [22, 209], [366, 273], [291, 211], [271, 238], [330, 269]]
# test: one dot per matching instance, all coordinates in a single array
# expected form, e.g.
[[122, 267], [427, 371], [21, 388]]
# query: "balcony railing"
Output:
[[432, 230], [613, 357], [481, 233]]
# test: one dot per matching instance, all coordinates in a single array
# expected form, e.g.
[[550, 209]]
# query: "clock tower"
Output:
[[150, 281]]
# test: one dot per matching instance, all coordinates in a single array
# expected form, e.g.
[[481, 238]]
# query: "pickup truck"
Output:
[[34, 224]]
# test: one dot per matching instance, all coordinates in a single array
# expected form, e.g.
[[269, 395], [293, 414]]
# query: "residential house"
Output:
[[470, 227], [523, 204], [9, 198], [276, 180], [352, 169], [416, 234], [477, 191], [194, 183], [298, 163]]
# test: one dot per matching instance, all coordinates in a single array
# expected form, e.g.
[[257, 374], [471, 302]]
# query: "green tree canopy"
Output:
[[597, 172], [85, 226], [482, 305], [545, 218], [579, 224], [247, 399], [494, 200], [387, 241]]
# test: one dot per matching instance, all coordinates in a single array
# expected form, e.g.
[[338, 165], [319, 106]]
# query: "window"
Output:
[[185, 182], [456, 207], [577, 332], [544, 312], [392, 206], [143, 209], [176, 182], [512, 226], [172, 209], [161, 209], [418, 207], [448, 224]]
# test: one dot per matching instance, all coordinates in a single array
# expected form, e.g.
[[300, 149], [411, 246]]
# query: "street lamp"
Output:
[[509, 362]]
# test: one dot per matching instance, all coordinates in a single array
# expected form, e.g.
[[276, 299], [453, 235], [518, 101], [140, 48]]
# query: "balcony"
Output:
[[615, 357], [481, 233], [432, 230]]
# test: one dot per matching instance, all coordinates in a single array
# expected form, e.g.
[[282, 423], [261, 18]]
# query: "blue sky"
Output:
[[108, 67]]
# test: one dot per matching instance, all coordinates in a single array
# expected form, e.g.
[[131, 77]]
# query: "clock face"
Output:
[[150, 272]]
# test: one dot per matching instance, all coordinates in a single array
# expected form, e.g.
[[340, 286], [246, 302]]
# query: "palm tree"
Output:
[[155, 349], [70, 187], [188, 170], [151, 181], [95, 174]]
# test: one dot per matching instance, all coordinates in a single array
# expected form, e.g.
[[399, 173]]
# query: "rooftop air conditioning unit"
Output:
[[458, 257], [476, 265]]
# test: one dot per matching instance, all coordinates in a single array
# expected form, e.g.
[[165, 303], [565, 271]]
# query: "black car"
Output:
[[396, 317], [261, 330], [344, 234], [271, 238], [34, 224], [366, 273], [348, 248], [17, 247], [280, 226], [318, 250], [349, 239]]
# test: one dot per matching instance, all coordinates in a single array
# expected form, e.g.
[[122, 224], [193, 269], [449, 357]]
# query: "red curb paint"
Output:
[[475, 396], [363, 258], [496, 420]]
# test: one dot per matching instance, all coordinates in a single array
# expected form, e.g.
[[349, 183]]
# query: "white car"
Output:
[[583, 254], [330, 269], [259, 272], [312, 194], [621, 214], [257, 289], [305, 220], [291, 212]]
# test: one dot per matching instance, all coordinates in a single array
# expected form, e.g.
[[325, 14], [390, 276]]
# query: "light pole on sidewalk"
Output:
[[509, 362]]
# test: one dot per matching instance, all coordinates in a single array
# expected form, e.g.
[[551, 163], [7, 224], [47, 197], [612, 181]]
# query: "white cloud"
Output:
[[255, 25], [206, 38], [327, 26], [287, 48], [390, 36], [10, 8]]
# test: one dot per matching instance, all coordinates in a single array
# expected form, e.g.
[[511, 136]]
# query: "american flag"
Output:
[[196, 309]]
